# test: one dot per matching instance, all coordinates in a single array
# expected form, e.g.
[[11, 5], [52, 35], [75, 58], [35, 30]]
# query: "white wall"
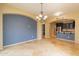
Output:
[[39, 30], [1, 32]]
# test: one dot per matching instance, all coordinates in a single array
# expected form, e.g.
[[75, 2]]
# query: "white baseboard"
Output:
[[77, 42], [66, 40], [19, 43]]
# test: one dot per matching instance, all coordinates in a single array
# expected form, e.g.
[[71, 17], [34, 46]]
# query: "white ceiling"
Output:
[[49, 8]]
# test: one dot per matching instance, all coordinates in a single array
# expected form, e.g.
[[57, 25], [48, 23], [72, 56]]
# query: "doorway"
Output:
[[43, 30]]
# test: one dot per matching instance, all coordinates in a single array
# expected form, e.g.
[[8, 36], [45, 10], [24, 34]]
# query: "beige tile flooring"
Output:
[[44, 47]]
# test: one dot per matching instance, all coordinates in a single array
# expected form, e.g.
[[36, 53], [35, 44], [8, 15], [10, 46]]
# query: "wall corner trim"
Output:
[[19, 43]]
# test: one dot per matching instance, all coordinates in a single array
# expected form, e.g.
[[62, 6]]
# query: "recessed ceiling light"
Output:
[[58, 13]]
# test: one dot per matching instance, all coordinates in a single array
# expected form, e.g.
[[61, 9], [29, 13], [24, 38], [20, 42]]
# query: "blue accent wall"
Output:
[[18, 28]]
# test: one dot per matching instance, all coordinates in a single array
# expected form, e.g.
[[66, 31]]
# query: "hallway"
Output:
[[42, 48]]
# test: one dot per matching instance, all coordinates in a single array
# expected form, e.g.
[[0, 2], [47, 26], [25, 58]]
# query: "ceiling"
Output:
[[48, 8]]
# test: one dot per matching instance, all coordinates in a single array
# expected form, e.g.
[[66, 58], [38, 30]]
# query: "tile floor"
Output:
[[44, 47]]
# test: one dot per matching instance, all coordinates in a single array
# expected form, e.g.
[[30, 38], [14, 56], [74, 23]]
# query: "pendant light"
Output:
[[42, 17]]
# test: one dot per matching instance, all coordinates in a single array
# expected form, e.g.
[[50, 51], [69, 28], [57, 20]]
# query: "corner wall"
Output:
[[77, 31], [6, 9], [39, 30], [1, 27], [1, 32]]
